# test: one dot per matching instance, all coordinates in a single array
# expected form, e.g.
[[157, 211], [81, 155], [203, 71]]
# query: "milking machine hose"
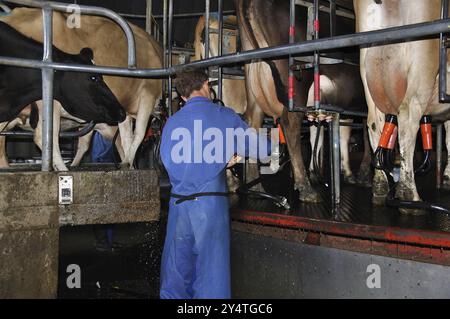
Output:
[[278, 200], [391, 201]]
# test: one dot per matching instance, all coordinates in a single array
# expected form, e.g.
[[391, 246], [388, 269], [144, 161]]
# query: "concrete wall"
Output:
[[30, 218]]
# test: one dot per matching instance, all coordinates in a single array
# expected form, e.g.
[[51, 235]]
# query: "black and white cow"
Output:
[[84, 95]]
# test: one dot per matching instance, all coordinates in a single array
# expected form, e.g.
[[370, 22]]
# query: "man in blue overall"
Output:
[[196, 256]]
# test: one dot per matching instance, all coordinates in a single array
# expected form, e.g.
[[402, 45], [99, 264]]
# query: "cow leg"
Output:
[[375, 122], [346, 132], [380, 184], [126, 136], [446, 183], [4, 127], [291, 123], [58, 163], [365, 167], [313, 136], [409, 123], [4, 163], [146, 105], [83, 146]]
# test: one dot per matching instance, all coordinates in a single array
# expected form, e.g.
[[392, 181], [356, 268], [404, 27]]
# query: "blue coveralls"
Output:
[[102, 150], [196, 256]]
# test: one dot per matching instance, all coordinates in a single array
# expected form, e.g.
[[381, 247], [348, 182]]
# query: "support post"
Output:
[[149, 18], [47, 92], [316, 57], [332, 18], [335, 157]]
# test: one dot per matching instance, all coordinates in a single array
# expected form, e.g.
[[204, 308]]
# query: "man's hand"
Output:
[[234, 160]]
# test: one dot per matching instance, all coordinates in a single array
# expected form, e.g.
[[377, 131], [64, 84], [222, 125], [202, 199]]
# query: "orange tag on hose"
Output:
[[393, 139], [388, 131], [281, 134], [427, 136]]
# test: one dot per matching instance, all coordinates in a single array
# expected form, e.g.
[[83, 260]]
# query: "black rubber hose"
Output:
[[425, 167], [391, 201], [261, 178]]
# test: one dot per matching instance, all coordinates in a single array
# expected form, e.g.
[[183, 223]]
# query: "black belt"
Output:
[[185, 198]]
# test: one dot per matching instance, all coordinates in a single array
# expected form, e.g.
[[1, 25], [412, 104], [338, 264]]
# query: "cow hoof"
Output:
[[350, 180], [378, 200], [364, 179], [380, 189], [309, 195]]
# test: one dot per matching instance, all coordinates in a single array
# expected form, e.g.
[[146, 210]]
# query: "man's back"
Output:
[[194, 143]]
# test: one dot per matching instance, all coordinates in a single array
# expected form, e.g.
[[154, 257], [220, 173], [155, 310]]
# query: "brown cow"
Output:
[[138, 96], [400, 79], [267, 81]]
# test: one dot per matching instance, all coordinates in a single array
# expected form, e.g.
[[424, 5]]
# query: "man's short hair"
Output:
[[187, 82]]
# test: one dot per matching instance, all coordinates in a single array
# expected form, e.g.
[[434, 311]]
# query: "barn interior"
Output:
[[274, 247]]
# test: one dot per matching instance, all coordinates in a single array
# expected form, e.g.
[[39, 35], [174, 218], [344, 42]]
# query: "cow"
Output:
[[267, 80], [108, 42], [84, 95], [399, 79]]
